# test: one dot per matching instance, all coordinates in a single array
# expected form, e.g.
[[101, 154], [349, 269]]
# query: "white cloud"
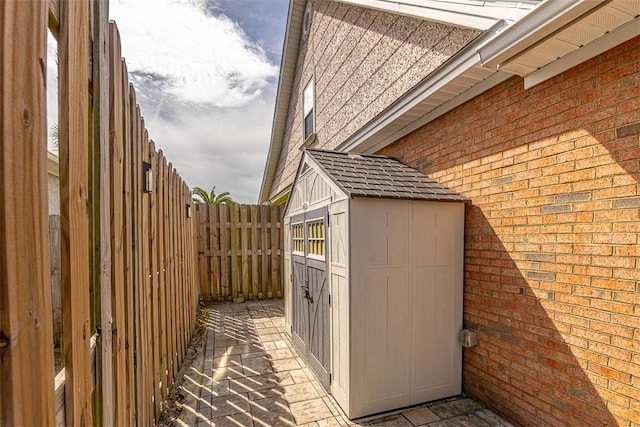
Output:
[[205, 88], [203, 59], [217, 147]]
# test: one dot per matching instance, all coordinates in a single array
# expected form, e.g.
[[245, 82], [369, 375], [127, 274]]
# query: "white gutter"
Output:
[[542, 22], [479, 15]]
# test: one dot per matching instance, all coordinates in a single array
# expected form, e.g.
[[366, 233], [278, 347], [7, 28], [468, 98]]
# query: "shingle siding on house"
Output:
[[552, 239], [362, 61]]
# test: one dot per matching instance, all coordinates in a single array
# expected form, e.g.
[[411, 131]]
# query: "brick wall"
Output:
[[552, 250]]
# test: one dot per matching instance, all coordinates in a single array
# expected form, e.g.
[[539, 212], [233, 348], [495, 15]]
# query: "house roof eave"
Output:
[[283, 95], [505, 53], [479, 15]]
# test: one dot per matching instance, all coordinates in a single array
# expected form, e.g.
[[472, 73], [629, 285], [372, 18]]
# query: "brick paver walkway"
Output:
[[249, 375]]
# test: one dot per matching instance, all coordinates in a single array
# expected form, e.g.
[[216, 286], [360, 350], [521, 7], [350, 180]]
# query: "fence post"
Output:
[[74, 218], [102, 189], [26, 339]]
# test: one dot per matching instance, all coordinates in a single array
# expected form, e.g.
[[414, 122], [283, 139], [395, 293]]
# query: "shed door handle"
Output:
[[305, 289]]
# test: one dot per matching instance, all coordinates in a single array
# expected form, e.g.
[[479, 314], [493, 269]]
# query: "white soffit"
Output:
[[598, 27], [477, 14]]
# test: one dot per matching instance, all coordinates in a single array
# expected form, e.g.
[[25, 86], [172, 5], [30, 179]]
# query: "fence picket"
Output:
[[117, 221], [254, 252], [224, 247], [214, 250], [244, 248], [264, 276]]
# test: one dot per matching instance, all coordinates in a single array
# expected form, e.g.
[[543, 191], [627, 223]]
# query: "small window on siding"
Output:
[[297, 232], [307, 109]]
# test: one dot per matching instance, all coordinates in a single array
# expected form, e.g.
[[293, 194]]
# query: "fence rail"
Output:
[[239, 251]]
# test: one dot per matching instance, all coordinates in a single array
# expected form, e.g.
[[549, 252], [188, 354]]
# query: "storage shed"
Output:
[[374, 254]]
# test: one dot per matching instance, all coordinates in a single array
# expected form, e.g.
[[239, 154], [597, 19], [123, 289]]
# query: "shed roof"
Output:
[[366, 175]]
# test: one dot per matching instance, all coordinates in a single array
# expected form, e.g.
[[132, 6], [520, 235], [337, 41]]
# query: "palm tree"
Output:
[[201, 196]]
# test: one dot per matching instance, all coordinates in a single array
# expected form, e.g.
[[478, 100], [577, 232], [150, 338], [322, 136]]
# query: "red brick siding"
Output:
[[552, 246]]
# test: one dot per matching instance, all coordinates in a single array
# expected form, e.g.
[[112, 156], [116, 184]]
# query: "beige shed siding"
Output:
[[286, 276], [362, 61], [339, 269]]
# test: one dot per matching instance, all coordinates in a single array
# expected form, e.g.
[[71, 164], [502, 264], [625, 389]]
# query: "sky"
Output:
[[206, 75]]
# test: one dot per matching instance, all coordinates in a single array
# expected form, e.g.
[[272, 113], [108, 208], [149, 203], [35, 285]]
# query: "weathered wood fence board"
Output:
[[239, 251], [73, 129], [26, 341]]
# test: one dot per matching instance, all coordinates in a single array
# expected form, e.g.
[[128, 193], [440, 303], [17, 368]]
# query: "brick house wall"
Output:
[[552, 240], [362, 61]]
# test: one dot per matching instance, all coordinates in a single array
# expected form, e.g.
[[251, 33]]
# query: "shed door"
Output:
[[311, 311]]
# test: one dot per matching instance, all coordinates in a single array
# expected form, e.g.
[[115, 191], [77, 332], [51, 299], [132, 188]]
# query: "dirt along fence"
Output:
[[239, 250]]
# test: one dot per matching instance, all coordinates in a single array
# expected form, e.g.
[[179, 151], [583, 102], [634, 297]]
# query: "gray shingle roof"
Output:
[[364, 175]]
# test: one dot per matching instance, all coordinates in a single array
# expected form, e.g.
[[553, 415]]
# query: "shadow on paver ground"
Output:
[[245, 373]]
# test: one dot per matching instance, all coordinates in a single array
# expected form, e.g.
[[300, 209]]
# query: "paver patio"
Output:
[[249, 375]]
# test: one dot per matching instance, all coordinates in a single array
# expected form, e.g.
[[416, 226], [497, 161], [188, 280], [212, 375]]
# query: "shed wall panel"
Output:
[[438, 254], [339, 270], [406, 312], [380, 309], [340, 338], [286, 276]]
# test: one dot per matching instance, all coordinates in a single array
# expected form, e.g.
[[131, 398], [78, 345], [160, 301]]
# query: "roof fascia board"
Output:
[[622, 34], [283, 94], [454, 67], [53, 164], [543, 21], [444, 12], [283, 195]]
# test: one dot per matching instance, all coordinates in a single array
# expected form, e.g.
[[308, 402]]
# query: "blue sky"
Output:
[[206, 74]]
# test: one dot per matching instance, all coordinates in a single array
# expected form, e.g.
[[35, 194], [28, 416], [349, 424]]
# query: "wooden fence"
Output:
[[239, 251], [127, 256], [153, 294]]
